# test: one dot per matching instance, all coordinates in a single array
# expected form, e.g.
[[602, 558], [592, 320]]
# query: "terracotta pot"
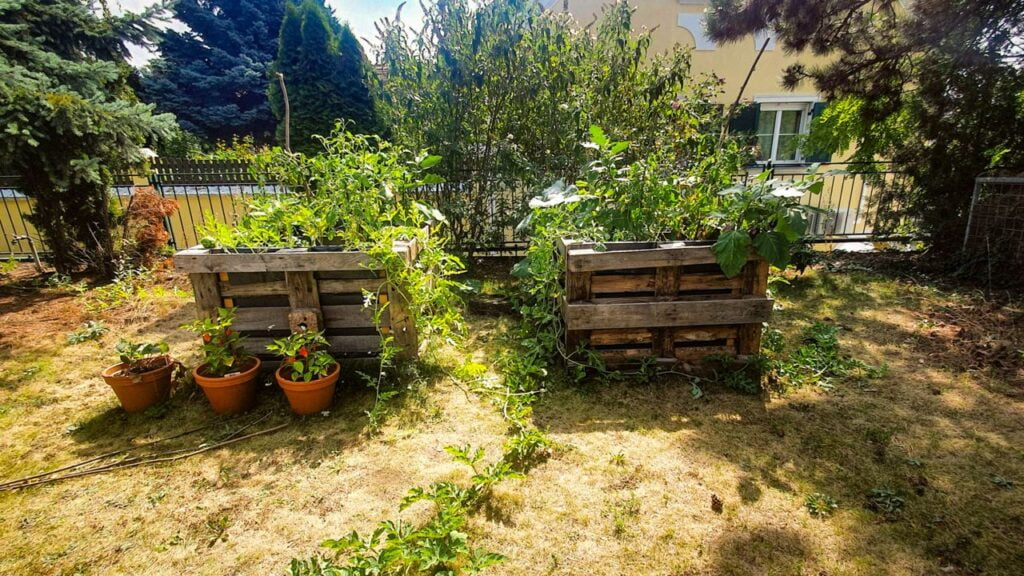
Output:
[[309, 397], [231, 394], [140, 391]]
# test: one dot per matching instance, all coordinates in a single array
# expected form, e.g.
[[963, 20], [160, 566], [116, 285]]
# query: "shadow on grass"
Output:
[[935, 442]]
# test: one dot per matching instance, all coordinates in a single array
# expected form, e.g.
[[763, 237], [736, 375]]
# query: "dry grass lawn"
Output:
[[629, 489]]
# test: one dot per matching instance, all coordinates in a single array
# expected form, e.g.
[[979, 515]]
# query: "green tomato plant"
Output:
[[222, 346], [305, 355]]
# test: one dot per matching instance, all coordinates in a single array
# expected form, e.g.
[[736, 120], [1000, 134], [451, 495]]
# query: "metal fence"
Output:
[[858, 201], [995, 224], [855, 205]]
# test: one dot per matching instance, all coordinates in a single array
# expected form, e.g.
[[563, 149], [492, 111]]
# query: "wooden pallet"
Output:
[[668, 301], [282, 291]]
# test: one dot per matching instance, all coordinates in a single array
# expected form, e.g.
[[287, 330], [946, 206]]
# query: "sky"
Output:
[[360, 14]]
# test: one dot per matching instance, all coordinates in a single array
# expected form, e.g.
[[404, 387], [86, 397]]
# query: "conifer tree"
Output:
[[213, 76], [71, 119], [327, 77]]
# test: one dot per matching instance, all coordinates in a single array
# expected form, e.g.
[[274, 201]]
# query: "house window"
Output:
[[779, 129]]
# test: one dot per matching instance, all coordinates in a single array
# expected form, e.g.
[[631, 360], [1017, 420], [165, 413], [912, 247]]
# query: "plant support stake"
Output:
[[287, 113]]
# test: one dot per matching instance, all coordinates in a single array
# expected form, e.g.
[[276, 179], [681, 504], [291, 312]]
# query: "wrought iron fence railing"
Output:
[[856, 204]]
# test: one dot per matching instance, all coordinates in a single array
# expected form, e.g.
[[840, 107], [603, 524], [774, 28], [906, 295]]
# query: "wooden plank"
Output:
[[402, 323], [299, 259], [340, 345], [666, 254], [683, 297], [587, 316], [256, 289], [304, 299], [206, 289], [704, 333], [619, 337], [577, 289], [698, 353], [666, 285], [356, 285], [351, 316], [708, 281], [261, 318], [627, 356], [619, 283]]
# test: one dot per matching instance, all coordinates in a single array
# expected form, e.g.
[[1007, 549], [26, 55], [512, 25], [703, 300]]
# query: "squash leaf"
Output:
[[732, 250]]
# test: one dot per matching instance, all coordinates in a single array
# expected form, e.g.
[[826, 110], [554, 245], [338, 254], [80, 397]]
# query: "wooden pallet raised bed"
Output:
[[669, 301], [279, 291]]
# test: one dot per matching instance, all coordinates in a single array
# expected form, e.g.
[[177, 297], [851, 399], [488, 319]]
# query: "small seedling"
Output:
[[886, 501], [820, 505], [623, 513], [218, 528], [1004, 483], [91, 330]]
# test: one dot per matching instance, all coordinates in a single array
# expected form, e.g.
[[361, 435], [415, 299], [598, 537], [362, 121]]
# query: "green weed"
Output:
[[820, 505], [91, 330]]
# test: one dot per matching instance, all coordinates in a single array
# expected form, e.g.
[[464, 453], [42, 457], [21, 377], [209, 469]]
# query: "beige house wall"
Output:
[[679, 22]]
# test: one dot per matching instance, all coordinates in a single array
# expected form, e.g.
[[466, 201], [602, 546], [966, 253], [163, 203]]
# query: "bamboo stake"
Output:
[[134, 462]]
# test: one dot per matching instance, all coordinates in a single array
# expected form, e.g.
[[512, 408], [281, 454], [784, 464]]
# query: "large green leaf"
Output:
[[597, 136], [773, 247], [732, 250], [429, 162]]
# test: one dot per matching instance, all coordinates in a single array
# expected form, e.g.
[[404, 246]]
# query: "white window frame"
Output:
[[772, 104]]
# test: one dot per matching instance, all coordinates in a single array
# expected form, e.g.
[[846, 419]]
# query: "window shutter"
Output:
[[745, 121], [819, 108]]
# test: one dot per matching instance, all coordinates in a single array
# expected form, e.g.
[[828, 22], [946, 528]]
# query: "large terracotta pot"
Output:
[[309, 397], [140, 391], [231, 394]]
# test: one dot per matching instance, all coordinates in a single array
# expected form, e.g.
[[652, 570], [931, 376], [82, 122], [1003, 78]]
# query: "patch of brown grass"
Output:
[[634, 487]]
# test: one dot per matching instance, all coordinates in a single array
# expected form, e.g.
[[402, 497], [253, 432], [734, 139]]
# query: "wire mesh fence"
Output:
[[855, 205], [995, 225]]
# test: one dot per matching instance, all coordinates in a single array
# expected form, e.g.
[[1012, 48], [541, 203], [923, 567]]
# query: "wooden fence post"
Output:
[[403, 325]]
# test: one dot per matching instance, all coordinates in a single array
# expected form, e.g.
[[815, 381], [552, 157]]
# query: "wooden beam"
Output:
[[403, 325], [667, 254], [285, 260], [206, 289], [666, 314]]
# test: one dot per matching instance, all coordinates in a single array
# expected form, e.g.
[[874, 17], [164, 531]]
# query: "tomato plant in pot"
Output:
[[143, 376], [308, 373], [228, 373]]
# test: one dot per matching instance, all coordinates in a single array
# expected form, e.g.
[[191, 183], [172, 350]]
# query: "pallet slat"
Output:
[[348, 345]]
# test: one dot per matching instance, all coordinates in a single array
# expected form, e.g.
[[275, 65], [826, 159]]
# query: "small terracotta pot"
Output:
[[140, 391], [309, 397], [231, 394]]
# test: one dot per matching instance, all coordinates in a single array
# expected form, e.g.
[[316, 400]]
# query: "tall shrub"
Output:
[[506, 90]]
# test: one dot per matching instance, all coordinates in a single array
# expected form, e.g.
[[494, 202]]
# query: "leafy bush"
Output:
[[504, 91], [144, 235]]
